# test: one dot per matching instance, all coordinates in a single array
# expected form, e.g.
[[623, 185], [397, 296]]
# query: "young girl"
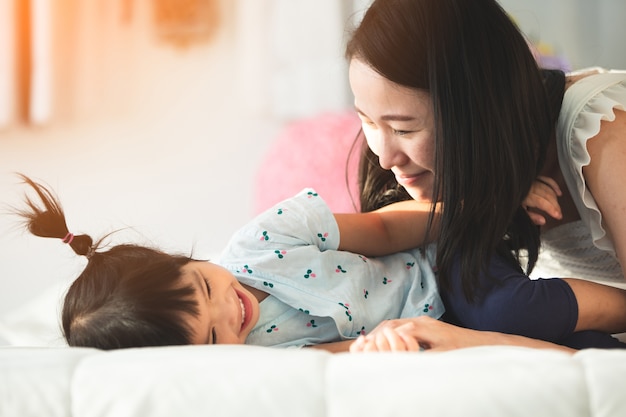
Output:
[[285, 279]]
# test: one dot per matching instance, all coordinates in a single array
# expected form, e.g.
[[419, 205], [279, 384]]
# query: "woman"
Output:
[[455, 111]]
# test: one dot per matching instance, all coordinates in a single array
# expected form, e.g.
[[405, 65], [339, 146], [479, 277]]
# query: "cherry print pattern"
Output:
[[348, 312]]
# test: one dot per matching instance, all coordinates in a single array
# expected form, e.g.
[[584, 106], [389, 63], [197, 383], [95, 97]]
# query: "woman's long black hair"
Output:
[[494, 116]]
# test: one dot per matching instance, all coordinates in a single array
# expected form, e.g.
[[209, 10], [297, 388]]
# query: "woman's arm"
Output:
[[605, 178], [600, 307], [393, 228]]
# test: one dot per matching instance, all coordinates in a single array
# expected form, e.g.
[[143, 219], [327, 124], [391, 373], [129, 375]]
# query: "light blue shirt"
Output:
[[317, 293]]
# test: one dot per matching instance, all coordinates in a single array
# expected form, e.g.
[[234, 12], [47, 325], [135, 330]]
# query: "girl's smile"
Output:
[[227, 309]]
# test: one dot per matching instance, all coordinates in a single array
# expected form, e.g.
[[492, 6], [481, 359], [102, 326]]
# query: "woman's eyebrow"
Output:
[[389, 117], [356, 109], [397, 117]]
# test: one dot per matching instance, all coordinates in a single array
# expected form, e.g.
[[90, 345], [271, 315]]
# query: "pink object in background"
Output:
[[312, 152]]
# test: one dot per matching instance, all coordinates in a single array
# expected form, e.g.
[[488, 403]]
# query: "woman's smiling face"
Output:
[[227, 310], [399, 128]]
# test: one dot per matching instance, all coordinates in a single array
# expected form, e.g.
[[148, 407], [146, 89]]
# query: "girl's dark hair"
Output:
[[127, 296], [493, 114]]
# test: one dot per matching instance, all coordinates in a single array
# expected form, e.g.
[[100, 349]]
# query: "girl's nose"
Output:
[[224, 314]]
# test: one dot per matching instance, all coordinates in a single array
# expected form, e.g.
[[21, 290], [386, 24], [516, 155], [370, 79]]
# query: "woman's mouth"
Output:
[[407, 180]]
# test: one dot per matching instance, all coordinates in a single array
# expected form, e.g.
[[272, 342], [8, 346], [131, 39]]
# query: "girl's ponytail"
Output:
[[127, 296], [49, 220]]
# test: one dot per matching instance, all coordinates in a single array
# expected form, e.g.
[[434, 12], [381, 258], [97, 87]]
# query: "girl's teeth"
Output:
[[243, 311]]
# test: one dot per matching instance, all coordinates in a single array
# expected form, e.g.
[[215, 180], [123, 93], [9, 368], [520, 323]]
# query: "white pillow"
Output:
[[36, 323]]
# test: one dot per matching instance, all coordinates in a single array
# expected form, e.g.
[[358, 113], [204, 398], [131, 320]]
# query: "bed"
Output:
[[41, 376], [238, 380]]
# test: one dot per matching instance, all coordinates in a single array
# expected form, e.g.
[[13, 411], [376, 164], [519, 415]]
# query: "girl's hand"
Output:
[[419, 333], [542, 200], [389, 336], [427, 333]]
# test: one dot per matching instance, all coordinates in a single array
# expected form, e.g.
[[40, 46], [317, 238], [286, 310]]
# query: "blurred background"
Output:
[[156, 116]]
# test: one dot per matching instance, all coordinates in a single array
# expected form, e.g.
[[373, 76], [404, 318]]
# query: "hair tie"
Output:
[[68, 238]]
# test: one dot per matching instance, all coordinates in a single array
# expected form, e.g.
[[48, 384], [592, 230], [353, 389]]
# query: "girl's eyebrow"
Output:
[[200, 278]]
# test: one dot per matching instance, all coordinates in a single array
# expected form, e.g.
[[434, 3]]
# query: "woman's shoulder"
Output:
[[591, 76], [591, 93], [575, 76]]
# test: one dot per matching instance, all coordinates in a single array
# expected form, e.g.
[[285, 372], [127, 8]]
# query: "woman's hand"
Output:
[[542, 200]]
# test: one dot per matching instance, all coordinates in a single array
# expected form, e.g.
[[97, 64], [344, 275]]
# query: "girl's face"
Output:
[[227, 310], [399, 128]]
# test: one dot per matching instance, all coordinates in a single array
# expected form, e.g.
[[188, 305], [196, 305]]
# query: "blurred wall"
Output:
[[587, 33], [157, 139], [163, 141]]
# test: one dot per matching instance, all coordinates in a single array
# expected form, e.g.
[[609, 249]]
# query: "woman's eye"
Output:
[[367, 123], [401, 132]]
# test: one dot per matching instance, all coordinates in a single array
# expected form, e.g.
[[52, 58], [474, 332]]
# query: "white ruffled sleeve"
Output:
[[587, 103]]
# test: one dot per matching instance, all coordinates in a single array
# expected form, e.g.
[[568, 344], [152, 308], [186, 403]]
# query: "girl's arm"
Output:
[[402, 226], [426, 333], [334, 347], [393, 228], [415, 334]]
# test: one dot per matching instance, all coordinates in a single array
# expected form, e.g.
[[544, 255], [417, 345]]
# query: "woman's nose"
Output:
[[389, 154]]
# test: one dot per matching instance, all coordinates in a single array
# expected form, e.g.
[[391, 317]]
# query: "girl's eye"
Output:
[[208, 288]]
